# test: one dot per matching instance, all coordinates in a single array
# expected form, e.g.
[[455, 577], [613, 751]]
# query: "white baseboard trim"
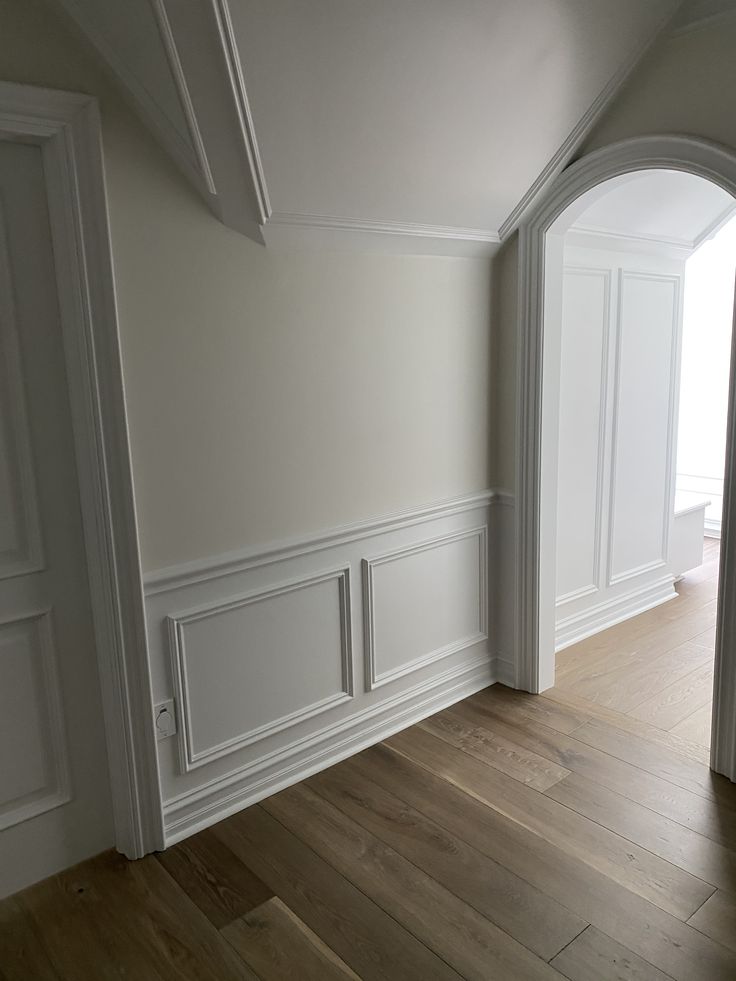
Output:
[[191, 812], [504, 671], [712, 529], [571, 630]]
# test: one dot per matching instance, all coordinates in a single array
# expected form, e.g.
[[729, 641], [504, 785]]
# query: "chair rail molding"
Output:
[[66, 126], [534, 653]]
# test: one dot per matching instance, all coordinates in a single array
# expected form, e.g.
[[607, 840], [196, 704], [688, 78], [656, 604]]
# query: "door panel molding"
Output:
[[66, 126]]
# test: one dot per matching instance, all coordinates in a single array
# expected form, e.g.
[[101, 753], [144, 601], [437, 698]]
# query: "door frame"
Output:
[[536, 480], [66, 126]]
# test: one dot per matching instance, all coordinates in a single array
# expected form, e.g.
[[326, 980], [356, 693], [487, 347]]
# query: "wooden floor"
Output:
[[657, 667], [511, 836]]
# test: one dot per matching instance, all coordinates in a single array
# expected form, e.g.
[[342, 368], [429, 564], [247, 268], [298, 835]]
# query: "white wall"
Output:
[[706, 349], [620, 326]]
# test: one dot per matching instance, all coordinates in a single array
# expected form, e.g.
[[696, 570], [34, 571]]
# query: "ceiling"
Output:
[[665, 206], [425, 124]]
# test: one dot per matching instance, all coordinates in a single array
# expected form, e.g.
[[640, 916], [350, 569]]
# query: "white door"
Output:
[[54, 786]]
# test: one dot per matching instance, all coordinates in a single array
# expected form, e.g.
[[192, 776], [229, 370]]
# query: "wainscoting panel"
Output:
[[34, 776], [403, 632], [586, 317], [280, 664], [642, 481], [234, 661]]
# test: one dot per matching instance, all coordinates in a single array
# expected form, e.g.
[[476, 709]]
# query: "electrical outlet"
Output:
[[164, 718]]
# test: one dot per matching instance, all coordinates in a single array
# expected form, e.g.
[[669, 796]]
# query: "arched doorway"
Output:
[[536, 422]]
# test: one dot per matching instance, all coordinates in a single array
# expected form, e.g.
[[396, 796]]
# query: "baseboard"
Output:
[[712, 529], [571, 630], [219, 799]]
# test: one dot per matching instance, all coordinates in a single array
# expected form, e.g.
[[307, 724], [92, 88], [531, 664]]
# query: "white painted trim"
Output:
[[612, 578], [290, 230], [62, 791], [223, 796], [712, 528], [715, 226], [578, 134], [375, 680], [229, 45], [682, 153], [570, 630], [186, 157], [182, 89], [67, 127], [576, 594], [189, 573], [590, 236], [189, 758]]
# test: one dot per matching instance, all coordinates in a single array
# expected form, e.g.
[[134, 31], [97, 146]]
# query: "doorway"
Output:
[[540, 294], [78, 759], [645, 325]]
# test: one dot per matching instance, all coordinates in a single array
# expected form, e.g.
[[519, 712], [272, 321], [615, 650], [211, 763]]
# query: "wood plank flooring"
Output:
[[657, 667], [511, 836]]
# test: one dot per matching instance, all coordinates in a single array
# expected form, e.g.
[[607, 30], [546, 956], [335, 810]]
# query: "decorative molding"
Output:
[[670, 451], [597, 577], [182, 89], [193, 810], [570, 630], [190, 573], [19, 456], [683, 153], [190, 758], [380, 235], [67, 127], [60, 793], [577, 135], [591, 236], [716, 225], [229, 46], [576, 594], [194, 166], [375, 680]]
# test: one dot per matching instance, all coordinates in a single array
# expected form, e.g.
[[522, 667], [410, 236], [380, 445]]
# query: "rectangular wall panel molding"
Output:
[[620, 331], [644, 424], [423, 603], [584, 371], [271, 674], [234, 661]]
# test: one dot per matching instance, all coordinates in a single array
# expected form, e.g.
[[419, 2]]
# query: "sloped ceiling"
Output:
[[416, 121]]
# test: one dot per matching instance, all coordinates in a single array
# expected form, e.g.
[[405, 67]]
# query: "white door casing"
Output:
[[66, 128], [536, 478]]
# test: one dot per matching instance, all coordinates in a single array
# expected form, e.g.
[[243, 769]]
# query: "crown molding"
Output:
[[295, 231], [579, 132], [715, 226], [593, 236]]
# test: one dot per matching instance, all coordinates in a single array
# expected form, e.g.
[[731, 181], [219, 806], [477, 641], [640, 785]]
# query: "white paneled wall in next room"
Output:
[[622, 537], [621, 322]]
